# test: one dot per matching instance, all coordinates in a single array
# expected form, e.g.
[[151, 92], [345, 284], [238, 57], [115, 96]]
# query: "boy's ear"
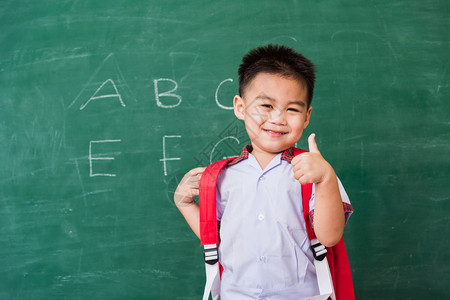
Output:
[[308, 117], [239, 107]]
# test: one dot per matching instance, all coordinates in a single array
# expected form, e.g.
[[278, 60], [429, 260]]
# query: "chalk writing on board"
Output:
[[229, 144], [230, 139], [165, 158], [96, 158], [167, 97], [158, 95], [211, 155], [106, 96], [217, 98]]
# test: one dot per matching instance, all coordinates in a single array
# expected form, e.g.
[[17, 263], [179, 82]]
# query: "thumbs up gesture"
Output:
[[311, 167]]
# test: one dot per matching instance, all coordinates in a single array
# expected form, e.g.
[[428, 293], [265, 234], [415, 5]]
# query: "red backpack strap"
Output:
[[336, 256], [207, 202], [209, 232], [340, 271], [306, 195]]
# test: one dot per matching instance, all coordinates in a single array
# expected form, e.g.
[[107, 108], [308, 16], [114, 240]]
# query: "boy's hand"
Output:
[[188, 187], [311, 167], [329, 217]]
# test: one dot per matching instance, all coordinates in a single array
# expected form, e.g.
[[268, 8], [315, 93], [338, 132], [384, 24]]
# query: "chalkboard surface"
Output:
[[104, 105]]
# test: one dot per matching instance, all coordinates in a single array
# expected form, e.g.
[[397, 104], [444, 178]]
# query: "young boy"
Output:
[[264, 247]]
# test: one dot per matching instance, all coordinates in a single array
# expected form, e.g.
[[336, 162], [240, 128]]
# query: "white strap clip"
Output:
[[212, 285], [324, 280]]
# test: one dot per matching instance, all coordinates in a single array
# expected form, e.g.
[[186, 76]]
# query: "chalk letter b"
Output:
[[170, 93]]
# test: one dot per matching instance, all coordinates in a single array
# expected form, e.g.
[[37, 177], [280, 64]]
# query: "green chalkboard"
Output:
[[104, 105]]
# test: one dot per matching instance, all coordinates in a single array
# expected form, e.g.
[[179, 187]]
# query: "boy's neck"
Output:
[[263, 157]]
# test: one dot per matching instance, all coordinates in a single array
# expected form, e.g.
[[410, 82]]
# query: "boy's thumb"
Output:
[[312, 144]]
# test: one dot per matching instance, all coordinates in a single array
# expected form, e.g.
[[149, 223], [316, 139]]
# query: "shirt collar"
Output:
[[286, 155]]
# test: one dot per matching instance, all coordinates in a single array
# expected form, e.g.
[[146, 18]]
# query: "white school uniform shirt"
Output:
[[264, 248]]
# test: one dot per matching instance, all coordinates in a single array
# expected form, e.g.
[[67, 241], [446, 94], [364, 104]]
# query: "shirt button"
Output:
[[262, 178], [260, 217], [263, 259]]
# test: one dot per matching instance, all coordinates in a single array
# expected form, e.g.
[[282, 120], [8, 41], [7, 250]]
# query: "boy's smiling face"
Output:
[[275, 111]]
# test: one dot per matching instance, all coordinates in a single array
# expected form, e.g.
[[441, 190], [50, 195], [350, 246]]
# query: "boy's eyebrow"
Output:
[[263, 96], [298, 102]]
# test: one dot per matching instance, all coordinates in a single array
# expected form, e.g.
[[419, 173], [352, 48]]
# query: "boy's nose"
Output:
[[277, 116]]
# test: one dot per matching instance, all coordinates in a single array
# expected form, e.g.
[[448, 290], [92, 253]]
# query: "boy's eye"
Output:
[[293, 109], [266, 105]]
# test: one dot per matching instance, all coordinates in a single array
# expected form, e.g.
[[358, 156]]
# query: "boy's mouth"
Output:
[[274, 132]]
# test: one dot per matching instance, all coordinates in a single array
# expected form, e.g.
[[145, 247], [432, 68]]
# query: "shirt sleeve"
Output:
[[348, 209]]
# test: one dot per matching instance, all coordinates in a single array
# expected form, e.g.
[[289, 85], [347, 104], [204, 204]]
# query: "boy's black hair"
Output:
[[276, 59]]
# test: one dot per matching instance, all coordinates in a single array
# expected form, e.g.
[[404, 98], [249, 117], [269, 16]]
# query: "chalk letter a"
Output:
[[97, 97]]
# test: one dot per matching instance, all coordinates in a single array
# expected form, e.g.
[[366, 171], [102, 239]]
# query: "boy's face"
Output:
[[275, 111]]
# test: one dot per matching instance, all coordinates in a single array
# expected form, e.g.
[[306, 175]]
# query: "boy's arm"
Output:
[[184, 198], [329, 216]]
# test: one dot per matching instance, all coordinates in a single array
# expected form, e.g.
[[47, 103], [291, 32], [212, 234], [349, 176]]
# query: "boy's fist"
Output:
[[311, 167], [188, 187]]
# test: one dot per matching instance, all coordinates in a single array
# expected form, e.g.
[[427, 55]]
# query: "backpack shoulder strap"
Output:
[[207, 202], [324, 274], [306, 195], [209, 235], [339, 266]]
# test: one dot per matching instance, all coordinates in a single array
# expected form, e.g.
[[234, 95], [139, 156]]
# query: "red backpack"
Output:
[[336, 256]]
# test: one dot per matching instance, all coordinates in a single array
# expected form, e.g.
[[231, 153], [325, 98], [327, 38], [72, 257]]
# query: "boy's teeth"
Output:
[[274, 132]]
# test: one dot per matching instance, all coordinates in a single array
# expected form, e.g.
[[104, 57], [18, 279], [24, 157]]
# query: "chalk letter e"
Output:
[[91, 158]]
